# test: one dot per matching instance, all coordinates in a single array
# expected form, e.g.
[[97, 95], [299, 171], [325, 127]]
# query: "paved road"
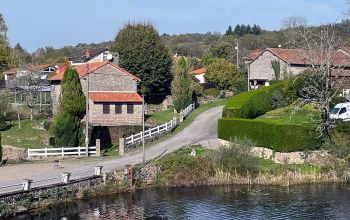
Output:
[[43, 173]]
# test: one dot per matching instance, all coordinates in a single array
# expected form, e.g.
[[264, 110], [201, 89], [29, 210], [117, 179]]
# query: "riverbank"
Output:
[[188, 166]]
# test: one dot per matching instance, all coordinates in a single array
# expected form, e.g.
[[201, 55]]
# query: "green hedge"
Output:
[[273, 135], [251, 104]]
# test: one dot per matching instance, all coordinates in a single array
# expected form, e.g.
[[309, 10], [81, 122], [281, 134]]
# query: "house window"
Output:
[[130, 108], [118, 108], [106, 109]]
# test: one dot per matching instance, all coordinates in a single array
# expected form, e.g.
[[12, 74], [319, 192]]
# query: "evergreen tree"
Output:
[[180, 86], [248, 30], [256, 30], [143, 53], [66, 125], [237, 30], [4, 47], [229, 31]]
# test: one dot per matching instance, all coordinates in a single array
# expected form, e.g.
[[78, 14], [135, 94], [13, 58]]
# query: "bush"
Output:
[[237, 156], [47, 124], [251, 104], [275, 135], [212, 92]]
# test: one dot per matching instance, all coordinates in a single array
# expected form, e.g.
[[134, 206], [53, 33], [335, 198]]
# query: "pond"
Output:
[[212, 202]]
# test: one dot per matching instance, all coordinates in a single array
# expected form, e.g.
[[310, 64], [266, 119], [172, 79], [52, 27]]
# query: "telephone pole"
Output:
[[143, 131], [87, 111]]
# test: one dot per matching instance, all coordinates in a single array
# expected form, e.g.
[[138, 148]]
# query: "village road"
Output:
[[202, 128]]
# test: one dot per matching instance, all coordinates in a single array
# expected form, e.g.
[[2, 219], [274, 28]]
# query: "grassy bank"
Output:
[[25, 137]]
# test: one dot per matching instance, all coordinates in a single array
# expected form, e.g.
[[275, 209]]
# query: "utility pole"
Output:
[[237, 49], [143, 131], [248, 76], [87, 111]]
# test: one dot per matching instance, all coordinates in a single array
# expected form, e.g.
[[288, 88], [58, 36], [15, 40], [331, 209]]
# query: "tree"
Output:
[[237, 30], [143, 53], [5, 107], [180, 86], [66, 125], [4, 47], [229, 31], [318, 47], [224, 74]]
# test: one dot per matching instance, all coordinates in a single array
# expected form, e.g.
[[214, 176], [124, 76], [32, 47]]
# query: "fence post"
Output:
[[28, 152], [98, 170], [26, 184], [65, 177], [45, 152], [79, 150], [121, 146], [98, 147], [62, 151], [132, 138], [158, 129]]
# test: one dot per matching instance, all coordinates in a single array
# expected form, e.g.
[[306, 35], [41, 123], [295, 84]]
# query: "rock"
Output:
[[13, 153], [21, 210], [193, 152]]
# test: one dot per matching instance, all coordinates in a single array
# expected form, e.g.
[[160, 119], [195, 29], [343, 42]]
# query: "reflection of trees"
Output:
[[219, 202]]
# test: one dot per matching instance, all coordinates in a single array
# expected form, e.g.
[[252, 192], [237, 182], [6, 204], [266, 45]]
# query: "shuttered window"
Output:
[[118, 108], [130, 108], [106, 108]]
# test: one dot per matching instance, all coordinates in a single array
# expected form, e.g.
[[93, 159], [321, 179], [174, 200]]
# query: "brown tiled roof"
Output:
[[114, 97], [82, 70], [199, 71], [254, 54]]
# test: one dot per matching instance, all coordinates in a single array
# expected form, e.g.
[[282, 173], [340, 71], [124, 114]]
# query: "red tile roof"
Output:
[[254, 54], [114, 97], [83, 68], [199, 71]]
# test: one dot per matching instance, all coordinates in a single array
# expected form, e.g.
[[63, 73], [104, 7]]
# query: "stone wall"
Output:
[[97, 117], [108, 78], [56, 89], [13, 153]]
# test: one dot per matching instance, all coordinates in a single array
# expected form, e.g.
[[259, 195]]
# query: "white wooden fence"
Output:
[[185, 112], [63, 151], [160, 129]]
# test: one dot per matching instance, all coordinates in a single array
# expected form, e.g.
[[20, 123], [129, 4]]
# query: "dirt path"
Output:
[[44, 173]]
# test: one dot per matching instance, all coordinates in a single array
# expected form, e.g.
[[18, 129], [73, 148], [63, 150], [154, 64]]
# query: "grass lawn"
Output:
[[268, 166], [26, 136], [161, 117], [293, 115]]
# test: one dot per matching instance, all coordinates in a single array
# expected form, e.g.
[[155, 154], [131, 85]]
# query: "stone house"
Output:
[[290, 62], [112, 93], [92, 56]]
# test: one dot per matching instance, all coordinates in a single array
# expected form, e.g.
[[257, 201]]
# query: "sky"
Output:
[[58, 23]]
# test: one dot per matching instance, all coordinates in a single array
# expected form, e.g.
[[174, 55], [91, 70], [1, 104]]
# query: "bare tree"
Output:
[[318, 48]]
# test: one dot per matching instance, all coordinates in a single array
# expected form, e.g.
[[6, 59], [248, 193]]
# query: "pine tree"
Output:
[[229, 31], [66, 125], [180, 86], [237, 30], [143, 53]]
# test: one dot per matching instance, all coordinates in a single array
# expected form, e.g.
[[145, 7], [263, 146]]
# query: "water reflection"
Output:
[[212, 202]]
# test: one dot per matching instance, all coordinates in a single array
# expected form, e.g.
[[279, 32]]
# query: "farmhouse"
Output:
[[280, 63], [112, 93], [199, 74]]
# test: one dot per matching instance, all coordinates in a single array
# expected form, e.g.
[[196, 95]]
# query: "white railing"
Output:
[[160, 129], [63, 151], [185, 112]]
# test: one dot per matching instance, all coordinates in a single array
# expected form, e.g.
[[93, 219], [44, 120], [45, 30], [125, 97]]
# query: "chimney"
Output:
[[87, 54]]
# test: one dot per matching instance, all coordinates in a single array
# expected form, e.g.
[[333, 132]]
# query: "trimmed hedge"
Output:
[[251, 104], [273, 135]]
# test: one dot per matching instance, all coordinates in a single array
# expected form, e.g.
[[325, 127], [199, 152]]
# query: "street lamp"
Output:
[[87, 111], [237, 49], [143, 131]]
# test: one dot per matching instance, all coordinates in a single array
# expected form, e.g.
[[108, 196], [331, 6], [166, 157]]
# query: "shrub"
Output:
[[275, 135], [47, 124], [212, 92], [237, 156], [251, 104], [278, 100]]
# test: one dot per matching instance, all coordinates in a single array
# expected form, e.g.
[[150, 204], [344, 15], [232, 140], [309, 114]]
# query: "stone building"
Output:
[[199, 74], [290, 62], [112, 93]]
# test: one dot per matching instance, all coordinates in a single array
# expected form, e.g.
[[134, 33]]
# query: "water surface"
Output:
[[213, 202]]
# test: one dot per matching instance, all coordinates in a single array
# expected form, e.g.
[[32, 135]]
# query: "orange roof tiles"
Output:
[[83, 69], [199, 71], [114, 97]]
